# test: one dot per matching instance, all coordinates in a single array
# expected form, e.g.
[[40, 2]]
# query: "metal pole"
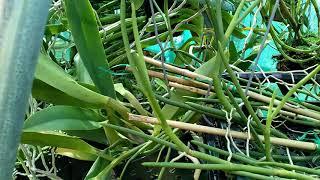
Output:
[[21, 29]]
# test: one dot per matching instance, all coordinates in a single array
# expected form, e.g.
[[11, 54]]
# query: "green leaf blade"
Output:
[[63, 118], [62, 141], [84, 28]]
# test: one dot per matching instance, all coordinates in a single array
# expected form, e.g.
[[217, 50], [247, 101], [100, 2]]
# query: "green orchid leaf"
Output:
[[234, 55], [63, 118], [76, 154], [84, 29], [95, 135], [98, 167], [60, 140], [44, 92], [50, 73]]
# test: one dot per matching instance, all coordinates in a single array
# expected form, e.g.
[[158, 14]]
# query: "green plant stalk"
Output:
[[284, 45], [140, 134], [111, 135], [238, 157], [242, 95], [218, 66], [189, 55], [294, 7], [162, 171], [311, 106], [267, 130], [213, 111], [306, 122], [196, 107], [108, 5], [235, 21], [218, 89], [142, 72], [153, 148], [293, 90], [210, 111], [114, 28], [252, 175], [166, 13], [142, 76], [292, 59], [188, 117], [231, 167], [252, 161], [211, 99], [136, 154], [110, 18], [283, 158], [268, 93], [106, 171], [244, 118], [152, 40], [239, 89], [196, 154], [160, 153], [246, 12], [291, 167], [219, 24]]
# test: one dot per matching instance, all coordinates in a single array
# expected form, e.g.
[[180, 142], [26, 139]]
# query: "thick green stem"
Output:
[[247, 11], [234, 22], [282, 158], [106, 171], [284, 45], [136, 154], [219, 25], [166, 13], [218, 66], [293, 90], [142, 76], [238, 157], [216, 113], [231, 167], [241, 93], [292, 59], [219, 91], [166, 160], [244, 118], [291, 167], [267, 130]]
